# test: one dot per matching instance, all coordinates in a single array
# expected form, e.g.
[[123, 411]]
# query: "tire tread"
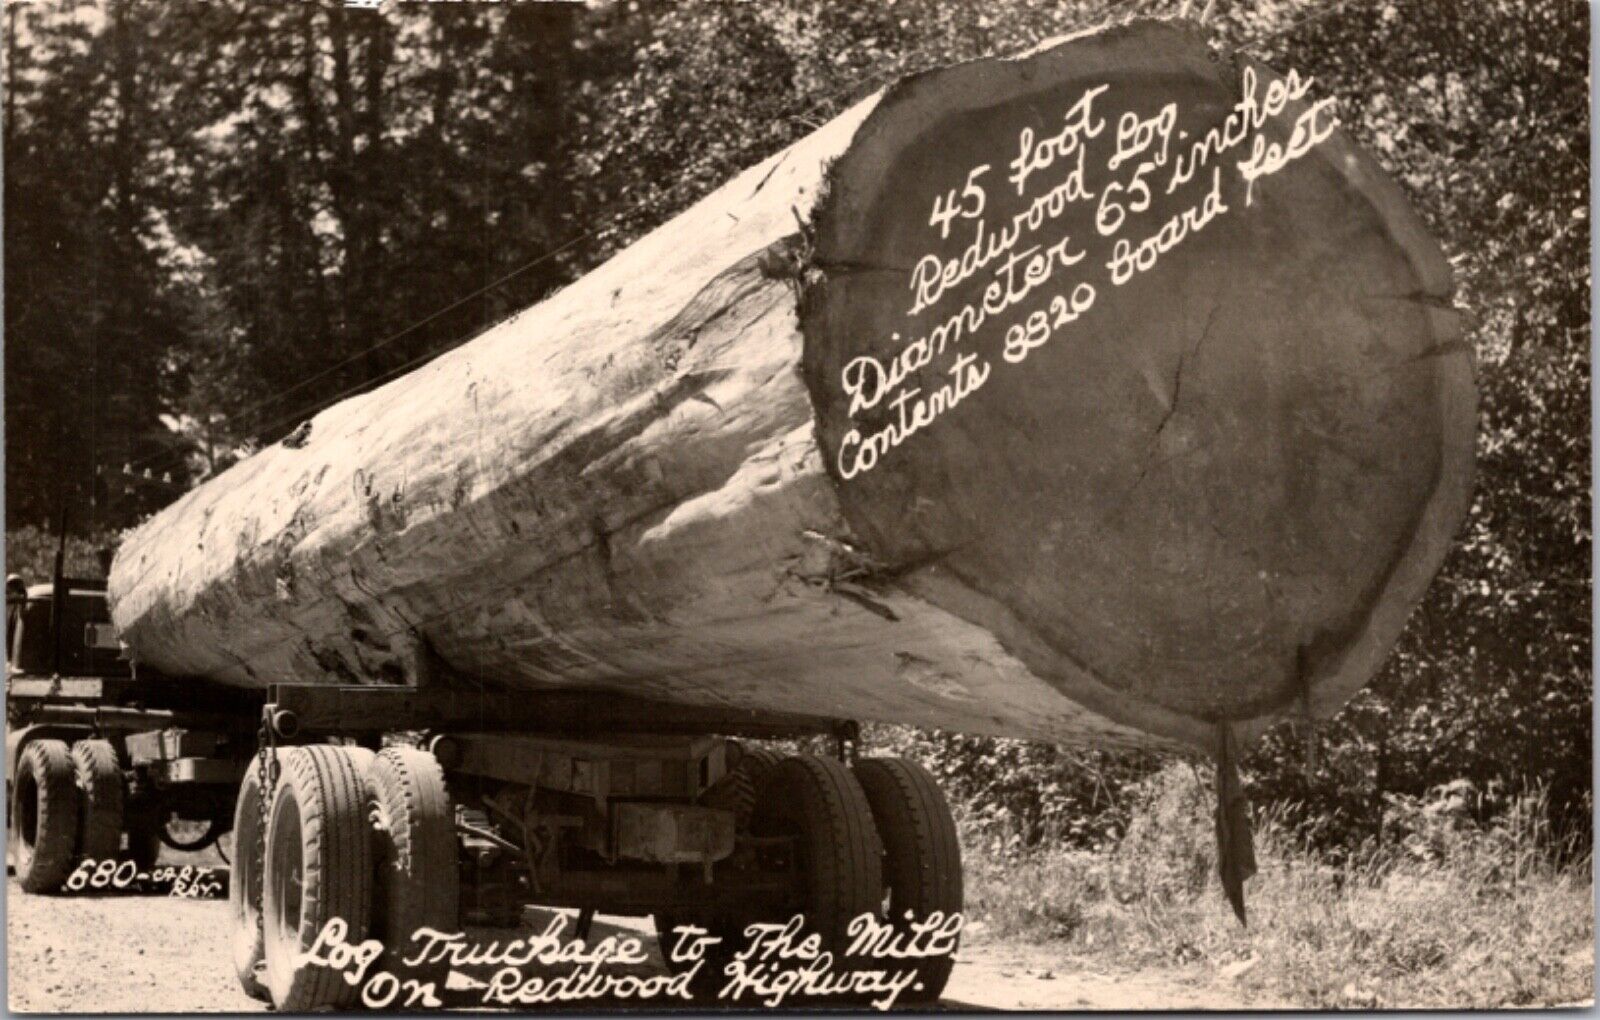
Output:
[[922, 852], [417, 877], [98, 776], [336, 869], [844, 849], [56, 830]]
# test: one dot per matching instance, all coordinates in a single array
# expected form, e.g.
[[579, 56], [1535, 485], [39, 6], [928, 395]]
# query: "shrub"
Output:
[[1450, 911], [1017, 795]]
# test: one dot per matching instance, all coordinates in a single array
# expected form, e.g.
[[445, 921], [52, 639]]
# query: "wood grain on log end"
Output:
[[1200, 492]]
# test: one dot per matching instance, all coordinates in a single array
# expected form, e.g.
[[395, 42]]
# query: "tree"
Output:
[[87, 323], [227, 213]]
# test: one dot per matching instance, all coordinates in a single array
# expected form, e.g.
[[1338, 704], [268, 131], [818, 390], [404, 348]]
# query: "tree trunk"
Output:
[[933, 458]]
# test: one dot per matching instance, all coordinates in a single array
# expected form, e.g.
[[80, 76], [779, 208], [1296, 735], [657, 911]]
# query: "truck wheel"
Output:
[[359, 756], [418, 878], [44, 816], [736, 791], [318, 869], [921, 855], [99, 782], [244, 883], [819, 802]]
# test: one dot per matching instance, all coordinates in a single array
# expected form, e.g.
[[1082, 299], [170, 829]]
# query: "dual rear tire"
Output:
[[66, 806], [820, 809], [98, 776], [820, 804], [363, 839], [876, 839]]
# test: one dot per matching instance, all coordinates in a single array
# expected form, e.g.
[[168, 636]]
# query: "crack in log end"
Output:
[[1185, 359]]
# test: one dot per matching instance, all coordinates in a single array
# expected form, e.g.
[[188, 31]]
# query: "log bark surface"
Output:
[[1215, 494]]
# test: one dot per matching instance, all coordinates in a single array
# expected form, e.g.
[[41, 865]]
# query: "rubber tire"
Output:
[[736, 791], [319, 840], [360, 757], [45, 778], [418, 878], [921, 855], [98, 776], [244, 883], [819, 801]]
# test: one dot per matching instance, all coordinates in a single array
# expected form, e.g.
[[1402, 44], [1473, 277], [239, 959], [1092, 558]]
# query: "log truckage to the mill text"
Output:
[[1108, 395]]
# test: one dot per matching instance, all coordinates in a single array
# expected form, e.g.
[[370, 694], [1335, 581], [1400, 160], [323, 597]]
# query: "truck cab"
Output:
[[77, 640], [99, 754]]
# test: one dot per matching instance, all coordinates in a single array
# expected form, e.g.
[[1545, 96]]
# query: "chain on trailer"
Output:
[[266, 782]]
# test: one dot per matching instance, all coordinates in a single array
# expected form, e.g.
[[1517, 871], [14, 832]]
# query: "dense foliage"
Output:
[[1452, 912], [221, 215]]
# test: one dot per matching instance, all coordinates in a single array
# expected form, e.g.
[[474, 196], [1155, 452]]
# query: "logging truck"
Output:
[[103, 766], [500, 801], [1109, 394]]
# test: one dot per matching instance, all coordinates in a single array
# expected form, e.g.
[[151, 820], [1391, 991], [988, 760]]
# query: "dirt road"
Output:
[[146, 953]]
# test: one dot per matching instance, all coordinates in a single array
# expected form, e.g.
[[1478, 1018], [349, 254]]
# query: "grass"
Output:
[[1447, 914]]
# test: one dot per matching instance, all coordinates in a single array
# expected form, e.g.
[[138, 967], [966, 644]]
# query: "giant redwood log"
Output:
[[1102, 395]]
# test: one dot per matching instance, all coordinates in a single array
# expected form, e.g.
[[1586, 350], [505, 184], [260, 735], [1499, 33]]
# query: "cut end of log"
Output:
[[1129, 356]]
